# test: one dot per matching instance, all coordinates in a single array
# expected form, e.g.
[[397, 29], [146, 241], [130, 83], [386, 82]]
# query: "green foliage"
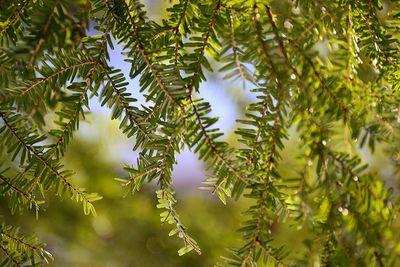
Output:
[[322, 72], [21, 250]]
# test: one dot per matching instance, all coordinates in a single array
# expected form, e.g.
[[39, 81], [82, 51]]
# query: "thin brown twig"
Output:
[[10, 256], [42, 34], [16, 189]]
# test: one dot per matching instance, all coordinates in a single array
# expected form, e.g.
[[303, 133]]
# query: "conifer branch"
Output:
[[272, 256], [164, 183], [325, 87], [276, 124], [312, 25], [73, 120], [162, 32], [211, 144], [19, 191], [122, 102], [21, 242], [176, 30], [120, 98], [197, 67], [349, 36], [45, 162], [369, 14], [279, 40], [234, 46], [43, 34], [314, 69], [132, 179], [11, 20], [163, 162], [25, 246], [10, 256], [327, 251], [152, 113], [142, 52], [59, 72], [263, 200]]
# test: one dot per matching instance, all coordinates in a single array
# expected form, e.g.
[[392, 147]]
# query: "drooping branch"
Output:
[[47, 165], [143, 54], [213, 147], [200, 55]]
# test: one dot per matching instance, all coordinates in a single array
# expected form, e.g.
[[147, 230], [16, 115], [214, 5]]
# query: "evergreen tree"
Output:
[[323, 72]]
